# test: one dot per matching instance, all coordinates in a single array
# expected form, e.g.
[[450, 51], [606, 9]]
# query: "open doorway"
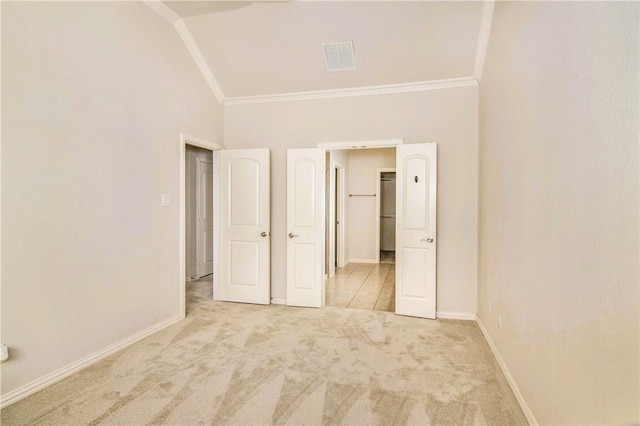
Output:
[[198, 212], [386, 214], [190, 174], [414, 278], [361, 278], [199, 224]]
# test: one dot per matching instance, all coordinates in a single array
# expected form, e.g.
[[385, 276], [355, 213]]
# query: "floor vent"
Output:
[[339, 56]]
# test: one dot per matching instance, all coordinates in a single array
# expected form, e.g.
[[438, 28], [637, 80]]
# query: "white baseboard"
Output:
[[51, 378], [363, 261], [278, 301], [456, 315], [503, 366]]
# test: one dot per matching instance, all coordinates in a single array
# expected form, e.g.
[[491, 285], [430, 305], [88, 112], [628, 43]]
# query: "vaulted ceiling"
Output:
[[273, 48]]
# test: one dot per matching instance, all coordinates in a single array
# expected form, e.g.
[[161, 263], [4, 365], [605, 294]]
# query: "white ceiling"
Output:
[[270, 48]]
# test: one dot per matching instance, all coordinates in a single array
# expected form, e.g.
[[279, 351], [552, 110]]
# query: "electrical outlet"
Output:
[[4, 353]]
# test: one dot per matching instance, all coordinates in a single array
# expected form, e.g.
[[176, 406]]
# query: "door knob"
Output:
[[292, 235], [263, 234], [428, 240]]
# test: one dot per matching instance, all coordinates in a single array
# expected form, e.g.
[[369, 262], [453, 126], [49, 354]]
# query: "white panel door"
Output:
[[204, 216], [416, 171], [245, 226], [305, 227]]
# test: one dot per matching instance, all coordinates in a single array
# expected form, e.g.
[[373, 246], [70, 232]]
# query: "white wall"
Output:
[[559, 206], [363, 179], [447, 116], [94, 97]]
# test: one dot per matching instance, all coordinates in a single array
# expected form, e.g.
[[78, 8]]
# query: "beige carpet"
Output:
[[255, 365]]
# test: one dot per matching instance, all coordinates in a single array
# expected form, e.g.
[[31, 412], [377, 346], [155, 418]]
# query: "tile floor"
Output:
[[356, 286], [363, 286]]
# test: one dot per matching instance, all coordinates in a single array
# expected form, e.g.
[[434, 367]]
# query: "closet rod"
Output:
[[362, 195]]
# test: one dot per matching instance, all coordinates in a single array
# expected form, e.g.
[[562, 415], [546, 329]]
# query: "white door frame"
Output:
[[342, 217], [381, 143], [378, 200], [366, 144], [186, 139], [336, 191]]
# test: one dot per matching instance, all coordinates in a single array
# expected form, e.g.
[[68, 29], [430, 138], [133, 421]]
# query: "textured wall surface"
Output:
[[559, 217], [94, 97]]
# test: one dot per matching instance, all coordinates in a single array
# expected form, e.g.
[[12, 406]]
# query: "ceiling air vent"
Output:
[[339, 56]]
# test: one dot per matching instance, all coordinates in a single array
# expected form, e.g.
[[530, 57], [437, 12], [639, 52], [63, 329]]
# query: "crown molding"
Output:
[[381, 143], [483, 39], [356, 91], [197, 56], [189, 42], [163, 10], [191, 45]]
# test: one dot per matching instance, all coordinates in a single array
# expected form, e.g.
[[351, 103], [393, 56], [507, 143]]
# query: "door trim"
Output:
[[381, 143], [186, 139], [347, 145], [378, 207], [342, 195], [336, 191]]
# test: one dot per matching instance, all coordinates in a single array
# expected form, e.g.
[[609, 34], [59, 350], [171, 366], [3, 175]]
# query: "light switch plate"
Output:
[[4, 353], [166, 200]]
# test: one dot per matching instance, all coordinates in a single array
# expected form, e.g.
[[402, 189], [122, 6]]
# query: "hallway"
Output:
[[363, 286], [198, 291]]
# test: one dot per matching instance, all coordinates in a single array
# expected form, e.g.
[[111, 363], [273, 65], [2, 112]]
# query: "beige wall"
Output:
[[447, 116], [94, 97], [559, 196], [362, 210]]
